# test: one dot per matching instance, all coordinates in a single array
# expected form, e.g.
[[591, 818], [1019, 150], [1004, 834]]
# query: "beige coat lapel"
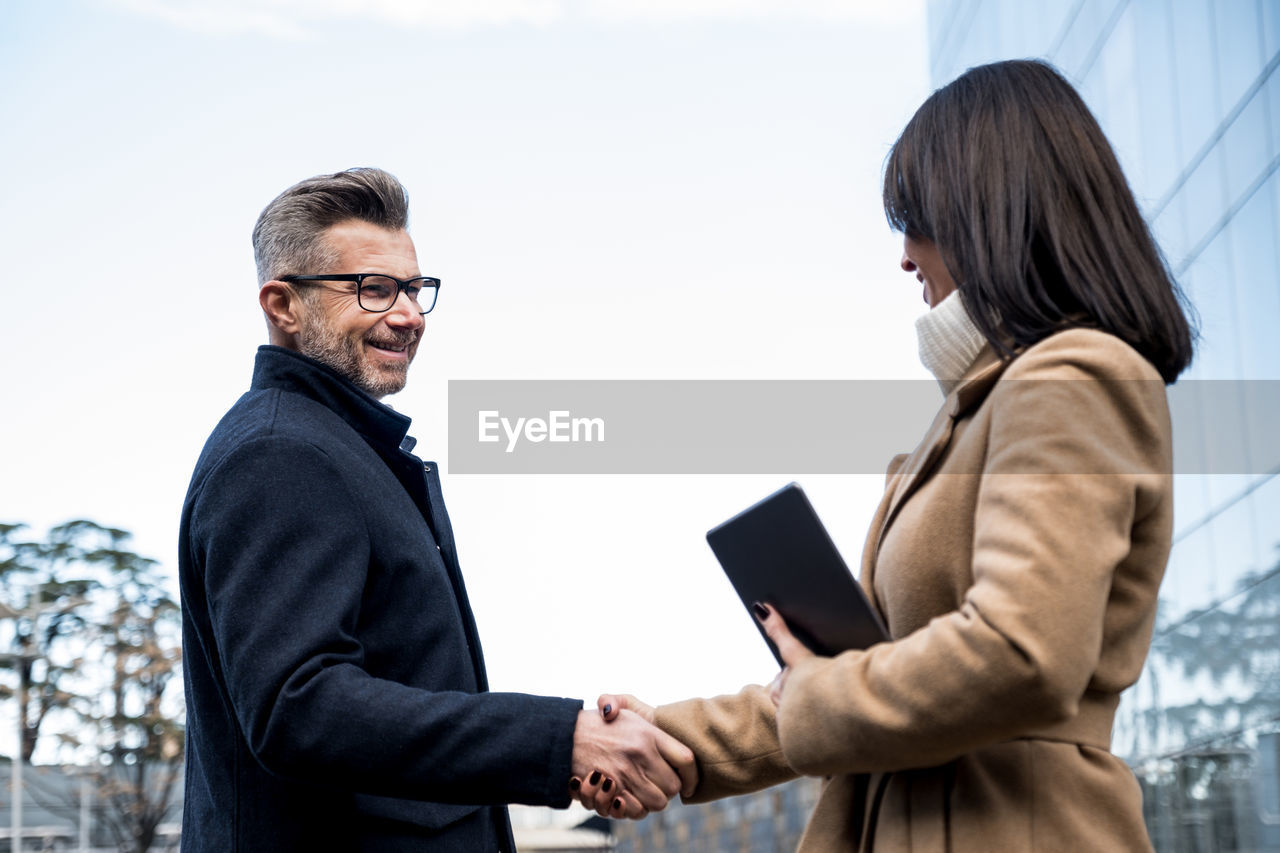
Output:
[[906, 475]]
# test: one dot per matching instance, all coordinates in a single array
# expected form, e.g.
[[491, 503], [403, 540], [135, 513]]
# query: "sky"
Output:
[[608, 189]]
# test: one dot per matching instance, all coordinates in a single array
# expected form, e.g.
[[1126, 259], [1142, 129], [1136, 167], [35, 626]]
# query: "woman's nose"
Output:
[[907, 264]]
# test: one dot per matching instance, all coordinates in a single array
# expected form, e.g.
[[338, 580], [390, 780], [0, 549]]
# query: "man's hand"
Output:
[[628, 767]]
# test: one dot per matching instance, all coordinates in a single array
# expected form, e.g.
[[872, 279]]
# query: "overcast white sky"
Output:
[[608, 189]]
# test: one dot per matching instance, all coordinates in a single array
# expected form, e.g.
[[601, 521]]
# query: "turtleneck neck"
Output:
[[949, 341]]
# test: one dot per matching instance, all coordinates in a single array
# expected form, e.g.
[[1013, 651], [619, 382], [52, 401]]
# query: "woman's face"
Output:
[[922, 257]]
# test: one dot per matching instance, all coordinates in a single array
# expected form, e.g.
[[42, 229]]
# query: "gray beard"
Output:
[[342, 354]]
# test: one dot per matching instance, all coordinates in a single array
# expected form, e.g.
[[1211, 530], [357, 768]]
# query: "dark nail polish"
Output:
[[595, 777], [607, 709], [607, 786], [575, 783], [617, 805], [762, 612]]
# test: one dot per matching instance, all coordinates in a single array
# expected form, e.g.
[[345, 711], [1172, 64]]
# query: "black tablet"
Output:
[[778, 552]]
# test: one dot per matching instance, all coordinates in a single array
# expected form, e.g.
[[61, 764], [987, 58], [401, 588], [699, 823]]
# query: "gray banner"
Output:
[[794, 427]]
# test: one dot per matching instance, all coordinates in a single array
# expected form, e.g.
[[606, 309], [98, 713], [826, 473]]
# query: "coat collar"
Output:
[[968, 393], [287, 370]]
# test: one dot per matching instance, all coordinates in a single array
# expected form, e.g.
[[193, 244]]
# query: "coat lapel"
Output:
[[906, 475]]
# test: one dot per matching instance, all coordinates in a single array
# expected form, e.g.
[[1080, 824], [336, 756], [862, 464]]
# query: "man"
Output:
[[336, 691]]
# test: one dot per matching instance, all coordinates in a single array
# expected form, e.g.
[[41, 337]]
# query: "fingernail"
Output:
[[607, 709], [575, 783], [595, 777], [607, 786], [762, 612], [617, 804]]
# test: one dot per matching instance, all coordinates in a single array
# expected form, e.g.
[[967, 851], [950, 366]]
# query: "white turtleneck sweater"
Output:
[[949, 341]]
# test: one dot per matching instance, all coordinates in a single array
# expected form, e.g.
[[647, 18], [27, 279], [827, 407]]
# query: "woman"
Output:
[[1017, 552]]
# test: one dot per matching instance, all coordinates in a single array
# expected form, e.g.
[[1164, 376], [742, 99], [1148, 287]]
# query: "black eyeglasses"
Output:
[[377, 293]]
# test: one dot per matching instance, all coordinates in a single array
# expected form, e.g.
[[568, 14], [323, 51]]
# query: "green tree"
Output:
[[97, 638]]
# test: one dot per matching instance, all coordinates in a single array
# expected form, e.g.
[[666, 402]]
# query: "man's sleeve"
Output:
[[284, 568]]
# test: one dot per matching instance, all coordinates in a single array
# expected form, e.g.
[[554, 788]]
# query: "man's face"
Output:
[[372, 350]]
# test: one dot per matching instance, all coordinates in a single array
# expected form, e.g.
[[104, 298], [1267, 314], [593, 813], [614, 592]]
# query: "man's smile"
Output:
[[397, 349]]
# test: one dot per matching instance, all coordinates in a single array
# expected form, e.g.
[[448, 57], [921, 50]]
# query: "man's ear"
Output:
[[281, 306]]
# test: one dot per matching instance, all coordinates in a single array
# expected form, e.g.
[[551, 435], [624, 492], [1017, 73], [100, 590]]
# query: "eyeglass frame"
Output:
[[359, 277]]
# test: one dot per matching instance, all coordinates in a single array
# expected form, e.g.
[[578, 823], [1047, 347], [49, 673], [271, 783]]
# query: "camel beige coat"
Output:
[[1015, 558]]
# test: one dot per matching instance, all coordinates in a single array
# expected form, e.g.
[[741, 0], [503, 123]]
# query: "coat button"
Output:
[[426, 467]]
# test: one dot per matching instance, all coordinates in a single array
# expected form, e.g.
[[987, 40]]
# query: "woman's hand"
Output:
[[603, 794], [611, 703], [790, 649], [600, 793], [628, 767]]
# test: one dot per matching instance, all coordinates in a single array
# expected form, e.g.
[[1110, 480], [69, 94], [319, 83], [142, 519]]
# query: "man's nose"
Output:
[[404, 313]]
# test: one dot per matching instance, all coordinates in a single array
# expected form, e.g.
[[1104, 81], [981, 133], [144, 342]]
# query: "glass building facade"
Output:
[[771, 820], [1188, 93]]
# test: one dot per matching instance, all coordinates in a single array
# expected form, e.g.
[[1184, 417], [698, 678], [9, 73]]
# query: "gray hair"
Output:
[[288, 239]]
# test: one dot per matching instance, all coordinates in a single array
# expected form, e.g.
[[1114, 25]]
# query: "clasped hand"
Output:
[[624, 766], [651, 767]]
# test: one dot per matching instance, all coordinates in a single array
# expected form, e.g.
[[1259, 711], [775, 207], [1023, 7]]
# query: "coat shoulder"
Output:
[[273, 414], [1081, 354]]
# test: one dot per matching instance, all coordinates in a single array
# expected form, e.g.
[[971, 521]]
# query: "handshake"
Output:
[[624, 765]]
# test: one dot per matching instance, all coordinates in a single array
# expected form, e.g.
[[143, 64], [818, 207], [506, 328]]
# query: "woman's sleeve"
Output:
[[1079, 451], [735, 740]]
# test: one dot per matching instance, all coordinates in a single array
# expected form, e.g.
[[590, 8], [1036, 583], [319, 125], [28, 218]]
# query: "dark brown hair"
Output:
[[1007, 172], [288, 237]]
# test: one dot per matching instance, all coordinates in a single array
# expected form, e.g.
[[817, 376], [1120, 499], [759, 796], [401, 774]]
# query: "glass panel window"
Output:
[[1005, 21], [1255, 258], [1273, 96], [1266, 513], [1116, 71], [1190, 501], [945, 16], [1235, 554], [1170, 231], [1216, 670], [1247, 145], [1225, 489], [1156, 110], [1270, 14], [1042, 22], [1083, 35], [1211, 799], [1188, 578], [1197, 92], [1239, 49], [1208, 284], [1205, 198], [980, 45]]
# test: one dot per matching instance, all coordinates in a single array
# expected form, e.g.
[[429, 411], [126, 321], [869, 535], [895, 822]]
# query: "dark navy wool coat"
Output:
[[336, 693]]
